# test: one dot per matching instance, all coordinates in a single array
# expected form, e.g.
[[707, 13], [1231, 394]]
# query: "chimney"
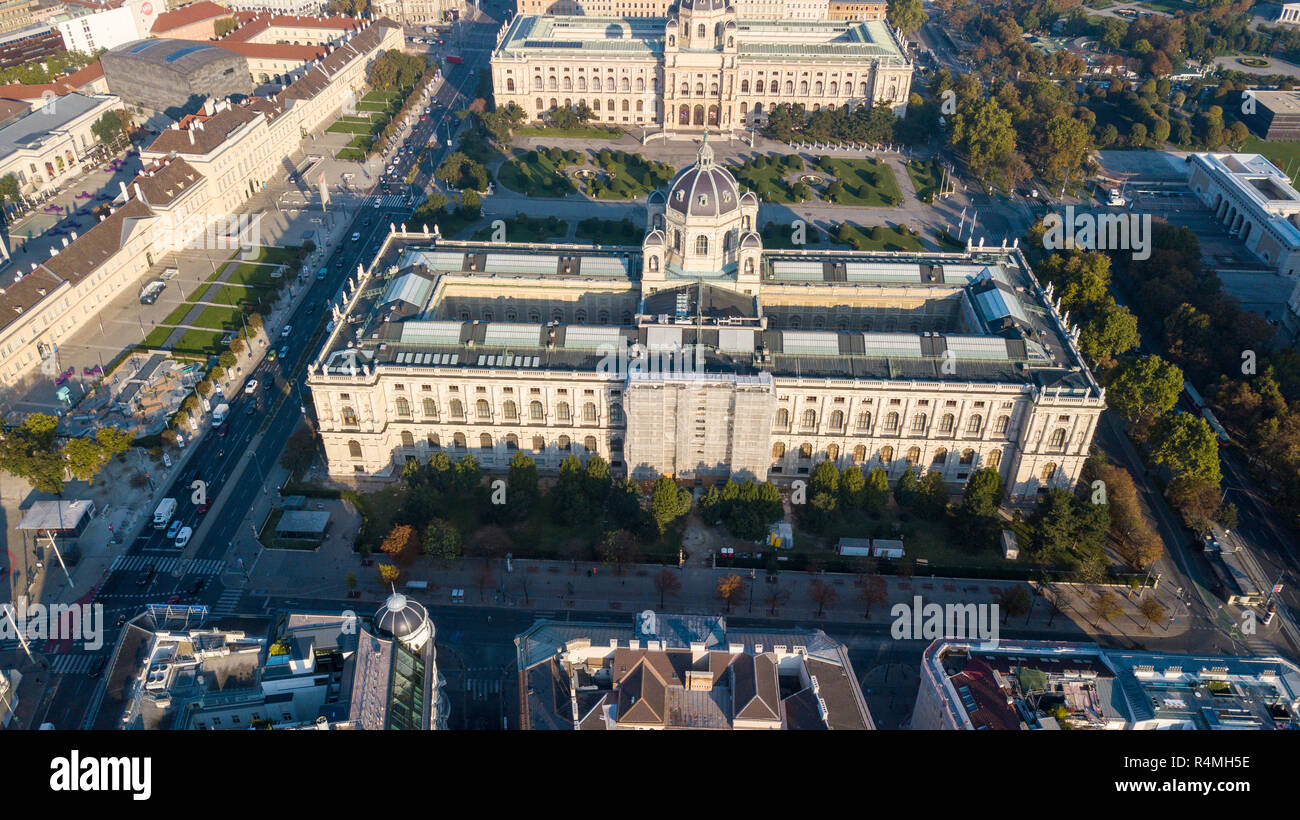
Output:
[[65, 242], [191, 136], [138, 194], [122, 185], [74, 236]]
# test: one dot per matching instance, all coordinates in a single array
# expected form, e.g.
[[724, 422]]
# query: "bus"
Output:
[[1193, 396], [455, 60], [1213, 421]]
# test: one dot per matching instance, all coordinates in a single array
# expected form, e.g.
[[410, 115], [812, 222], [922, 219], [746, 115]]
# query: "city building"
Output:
[[89, 30], [395, 678], [16, 14], [29, 44], [1276, 114], [1030, 685], [706, 67], [419, 12], [175, 77], [701, 355], [207, 164], [270, 29], [197, 21], [295, 7], [748, 9], [1255, 202], [1288, 13], [856, 11], [58, 519], [685, 672], [48, 146]]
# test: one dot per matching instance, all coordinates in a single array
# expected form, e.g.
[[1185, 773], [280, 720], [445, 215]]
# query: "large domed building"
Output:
[[703, 228]]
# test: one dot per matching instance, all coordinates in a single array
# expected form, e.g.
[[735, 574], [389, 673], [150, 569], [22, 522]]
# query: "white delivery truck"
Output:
[[219, 415], [162, 515]]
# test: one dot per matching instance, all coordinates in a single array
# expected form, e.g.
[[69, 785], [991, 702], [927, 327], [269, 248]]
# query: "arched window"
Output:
[[835, 89], [354, 448], [789, 88], [837, 420], [832, 452], [563, 444], [512, 442], [803, 89], [433, 441], [758, 89], [626, 106], [1000, 426], [458, 441], [403, 406], [945, 424], [967, 456], [863, 423], [457, 409], [1058, 438], [918, 423], [744, 86], [349, 416], [625, 84], [974, 423], [995, 458], [654, 264], [859, 454], [510, 84], [778, 450], [891, 422], [590, 444], [809, 418], [913, 455], [510, 411], [482, 409], [1049, 471], [701, 245], [430, 408], [408, 440], [686, 89], [485, 441], [588, 412], [749, 267], [783, 418], [562, 412], [805, 450], [700, 31], [886, 456], [535, 411], [539, 444], [940, 457]]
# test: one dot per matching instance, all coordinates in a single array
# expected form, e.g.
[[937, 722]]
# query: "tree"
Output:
[[1187, 446], [223, 26], [668, 502], [617, 549], [388, 574], [729, 588], [1014, 600], [522, 488], [872, 589], [350, 580], [85, 458], [983, 494], [853, 488], [1104, 605], [877, 490], [1112, 330], [299, 451], [1143, 388], [932, 495], [982, 130], [1152, 610], [906, 488], [1068, 142], [776, 597], [400, 544], [108, 127], [908, 15], [442, 540], [1196, 501], [28, 452], [822, 594], [667, 583], [9, 188]]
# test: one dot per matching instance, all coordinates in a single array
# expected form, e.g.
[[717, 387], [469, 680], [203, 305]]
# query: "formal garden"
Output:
[[604, 174]]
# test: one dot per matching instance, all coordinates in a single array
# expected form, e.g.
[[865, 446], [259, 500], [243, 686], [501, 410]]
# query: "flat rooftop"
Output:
[[969, 317]]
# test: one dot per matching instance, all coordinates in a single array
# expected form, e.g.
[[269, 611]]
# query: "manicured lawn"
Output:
[[537, 175], [1169, 6], [352, 154], [341, 127], [200, 341], [878, 238], [610, 231], [590, 132], [780, 236], [214, 317], [247, 273], [926, 178], [927, 539], [524, 228], [382, 97], [631, 176], [866, 181], [175, 317], [231, 295], [766, 177], [373, 106], [157, 337]]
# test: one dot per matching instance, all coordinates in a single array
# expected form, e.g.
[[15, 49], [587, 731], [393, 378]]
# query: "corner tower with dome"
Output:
[[395, 681], [703, 229]]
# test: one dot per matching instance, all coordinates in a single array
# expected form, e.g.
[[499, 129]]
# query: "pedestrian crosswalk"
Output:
[[207, 566], [478, 684], [391, 201], [74, 663], [228, 602]]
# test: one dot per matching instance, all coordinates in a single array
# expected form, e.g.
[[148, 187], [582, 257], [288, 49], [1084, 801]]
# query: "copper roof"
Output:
[[253, 23]]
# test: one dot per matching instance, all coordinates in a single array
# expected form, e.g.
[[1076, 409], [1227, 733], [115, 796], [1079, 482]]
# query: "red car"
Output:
[[454, 60], [203, 508]]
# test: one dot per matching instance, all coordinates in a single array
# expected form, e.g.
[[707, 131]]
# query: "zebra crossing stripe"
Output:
[[206, 566], [71, 664]]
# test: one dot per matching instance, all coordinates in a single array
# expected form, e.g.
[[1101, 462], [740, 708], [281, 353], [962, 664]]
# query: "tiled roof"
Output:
[[208, 131], [185, 15], [253, 23], [163, 183], [89, 251], [283, 51]]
